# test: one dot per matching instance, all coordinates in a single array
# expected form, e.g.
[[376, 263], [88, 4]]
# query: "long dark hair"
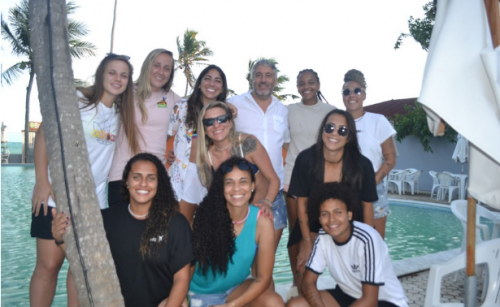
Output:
[[352, 171], [213, 232], [195, 102], [163, 206]]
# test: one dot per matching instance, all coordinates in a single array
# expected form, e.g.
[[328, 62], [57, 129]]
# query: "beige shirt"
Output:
[[153, 132], [304, 122]]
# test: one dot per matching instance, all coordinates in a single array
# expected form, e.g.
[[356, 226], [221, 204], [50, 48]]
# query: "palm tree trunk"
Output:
[[113, 27], [186, 91], [87, 249], [26, 157]]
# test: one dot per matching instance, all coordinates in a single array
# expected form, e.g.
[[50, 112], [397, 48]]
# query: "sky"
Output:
[[328, 36]]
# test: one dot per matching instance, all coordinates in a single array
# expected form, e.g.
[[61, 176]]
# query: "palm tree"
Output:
[[191, 52], [18, 35], [281, 80]]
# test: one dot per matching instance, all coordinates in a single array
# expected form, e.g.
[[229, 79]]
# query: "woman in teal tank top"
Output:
[[228, 236]]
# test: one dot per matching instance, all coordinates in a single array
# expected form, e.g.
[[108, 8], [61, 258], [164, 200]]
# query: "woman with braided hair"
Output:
[[229, 238], [150, 240], [375, 141], [303, 120]]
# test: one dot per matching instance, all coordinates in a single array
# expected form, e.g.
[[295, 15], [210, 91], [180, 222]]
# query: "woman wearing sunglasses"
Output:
[[102, 106], [304, 126], [218, 141], [334, 158], [374, 134], [153, 104], [210, 86], [229, 238], [149, 240]]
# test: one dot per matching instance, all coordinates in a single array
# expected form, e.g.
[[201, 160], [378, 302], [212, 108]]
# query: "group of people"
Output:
[[200, 235]]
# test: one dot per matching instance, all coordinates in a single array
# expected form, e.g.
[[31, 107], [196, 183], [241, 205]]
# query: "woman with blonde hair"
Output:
[[153, 104], [375, 141]]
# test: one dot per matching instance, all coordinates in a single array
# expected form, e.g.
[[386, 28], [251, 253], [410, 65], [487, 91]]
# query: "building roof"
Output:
[[391, 107]]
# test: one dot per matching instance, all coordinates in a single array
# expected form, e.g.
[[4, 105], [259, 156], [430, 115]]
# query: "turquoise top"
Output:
[[238, 270]]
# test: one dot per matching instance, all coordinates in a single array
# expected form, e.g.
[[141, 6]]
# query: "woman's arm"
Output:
[[369, 298], [310, 289], [389, 153], [306, 243], [179, 289], [368, 213], [265, 263], [43, 189], [257, 154]]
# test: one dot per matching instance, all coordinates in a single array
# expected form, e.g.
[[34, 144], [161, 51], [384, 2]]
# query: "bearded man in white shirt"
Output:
[[264, 116]]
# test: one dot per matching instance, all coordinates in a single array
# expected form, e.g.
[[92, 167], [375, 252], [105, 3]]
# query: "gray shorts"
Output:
[[381, 207], [279, 211]]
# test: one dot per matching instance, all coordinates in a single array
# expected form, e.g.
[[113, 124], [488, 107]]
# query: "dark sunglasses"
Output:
[[220, 119], [356, 91], [342, 130], [242, 165], [114, 55]]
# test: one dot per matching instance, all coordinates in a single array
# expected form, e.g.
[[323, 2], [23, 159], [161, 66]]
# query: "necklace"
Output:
[[136, 215], [225, 147], [243, 220]]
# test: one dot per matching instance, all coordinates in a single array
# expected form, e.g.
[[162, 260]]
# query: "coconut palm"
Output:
[[17, 34], [192, 51], [281, 80]]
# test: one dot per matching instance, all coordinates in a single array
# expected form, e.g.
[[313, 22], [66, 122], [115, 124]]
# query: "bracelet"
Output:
[[59, 243], [268, 201]]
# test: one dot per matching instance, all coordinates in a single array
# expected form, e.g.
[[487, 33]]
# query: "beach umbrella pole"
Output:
[[471, 278]]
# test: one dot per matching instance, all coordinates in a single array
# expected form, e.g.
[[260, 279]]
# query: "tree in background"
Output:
[[420, 29], [191, 52], [280, 84], [415, 123], [18, 36]]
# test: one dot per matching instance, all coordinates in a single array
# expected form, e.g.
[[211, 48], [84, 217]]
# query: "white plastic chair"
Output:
[[397, 179], [487, 252], [459, 209], [412, 179], [447, 184], [435, 182], [483, 212]]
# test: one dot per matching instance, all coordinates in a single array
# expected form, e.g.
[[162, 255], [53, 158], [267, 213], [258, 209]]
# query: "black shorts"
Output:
[[115, 197], [41, 225], [347, 300], [296, 235]]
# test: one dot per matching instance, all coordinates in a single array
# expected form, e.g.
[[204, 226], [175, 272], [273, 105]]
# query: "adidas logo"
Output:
[[355, 268]]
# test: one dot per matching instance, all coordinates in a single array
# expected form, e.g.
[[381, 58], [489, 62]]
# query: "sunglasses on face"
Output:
[[242, 165], [220, 119], [114, 55], [342, 130], [356, 91]]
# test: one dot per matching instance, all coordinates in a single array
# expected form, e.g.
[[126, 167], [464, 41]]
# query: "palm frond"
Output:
[[14, 72], [79, 49]]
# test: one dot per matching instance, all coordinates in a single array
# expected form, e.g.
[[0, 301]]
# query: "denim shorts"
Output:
[[205, 300], [279, 211], [381, 207]]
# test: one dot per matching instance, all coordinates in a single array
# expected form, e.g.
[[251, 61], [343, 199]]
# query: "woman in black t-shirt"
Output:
[[150, 240], [334, 158]]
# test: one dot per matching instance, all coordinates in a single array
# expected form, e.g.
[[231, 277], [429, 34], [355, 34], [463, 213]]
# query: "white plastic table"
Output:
[[462, 178]]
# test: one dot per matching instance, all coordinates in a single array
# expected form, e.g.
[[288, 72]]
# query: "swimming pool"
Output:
[[412, 230]]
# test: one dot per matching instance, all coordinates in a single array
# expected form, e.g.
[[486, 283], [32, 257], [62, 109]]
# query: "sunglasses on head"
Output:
[[356, 91], [220, 119], [342, 130], [242, 165], [114, 55]]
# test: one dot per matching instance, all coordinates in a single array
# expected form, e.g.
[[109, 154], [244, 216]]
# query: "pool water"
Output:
[[412, 230]]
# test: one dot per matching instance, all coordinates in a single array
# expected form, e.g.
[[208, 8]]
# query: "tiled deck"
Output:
[[413, 273]]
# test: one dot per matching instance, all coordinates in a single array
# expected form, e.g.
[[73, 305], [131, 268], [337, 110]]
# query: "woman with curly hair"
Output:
[[334, 158], [229, 237], [355, 254], [210, 86], [375, 141], [102, 106], [149, 240], [153, 104]]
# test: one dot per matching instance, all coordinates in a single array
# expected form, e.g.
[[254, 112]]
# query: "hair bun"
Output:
[[355, 76]]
